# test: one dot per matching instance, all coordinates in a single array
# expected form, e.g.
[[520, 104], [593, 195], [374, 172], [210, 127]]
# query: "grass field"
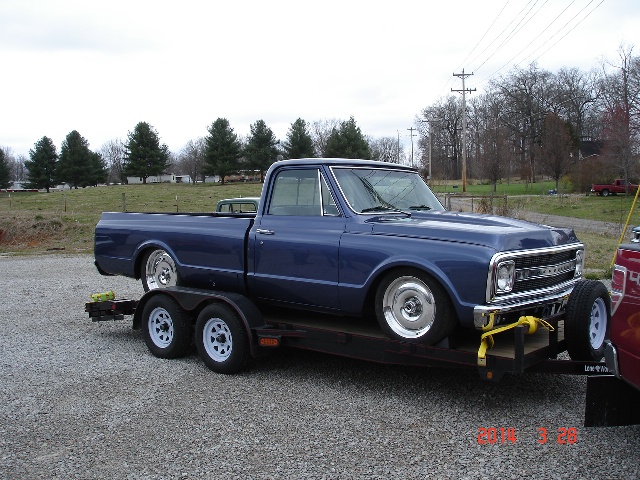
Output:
[[63, 221]]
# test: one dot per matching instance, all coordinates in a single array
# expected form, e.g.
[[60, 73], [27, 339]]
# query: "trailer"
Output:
[[229, 330]]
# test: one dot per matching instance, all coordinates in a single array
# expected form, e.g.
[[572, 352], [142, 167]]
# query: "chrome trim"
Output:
[[611, 358], [490, 293], [481, 312], [618, 295], [545, 271]]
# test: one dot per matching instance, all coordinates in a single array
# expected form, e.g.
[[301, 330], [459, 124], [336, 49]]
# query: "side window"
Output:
[[301, 192]]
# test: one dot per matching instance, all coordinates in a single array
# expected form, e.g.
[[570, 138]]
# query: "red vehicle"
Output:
[[622, 351], [618, 186]]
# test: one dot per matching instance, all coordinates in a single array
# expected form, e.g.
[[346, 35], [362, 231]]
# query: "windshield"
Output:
[[373, 190]]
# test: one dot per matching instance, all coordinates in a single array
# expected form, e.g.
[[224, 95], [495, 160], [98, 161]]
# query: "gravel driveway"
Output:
[[86, 400]]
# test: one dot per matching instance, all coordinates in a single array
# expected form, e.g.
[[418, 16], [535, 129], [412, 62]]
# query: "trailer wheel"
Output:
[[158, 270], [168, 331], [587, 320], [221, 339], [412, 307]]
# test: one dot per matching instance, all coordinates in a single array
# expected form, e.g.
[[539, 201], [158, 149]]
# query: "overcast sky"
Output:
[[100, 67]]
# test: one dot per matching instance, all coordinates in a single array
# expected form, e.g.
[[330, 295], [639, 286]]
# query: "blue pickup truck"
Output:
[[356, 238]]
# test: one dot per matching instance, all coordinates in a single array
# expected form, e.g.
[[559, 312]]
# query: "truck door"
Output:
[[296, 242]]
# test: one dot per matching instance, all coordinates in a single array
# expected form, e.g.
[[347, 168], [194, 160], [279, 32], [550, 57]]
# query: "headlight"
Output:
[[579, 263], [505, 276]]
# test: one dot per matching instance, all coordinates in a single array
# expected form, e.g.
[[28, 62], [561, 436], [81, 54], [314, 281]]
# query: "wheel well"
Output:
[[138, 263], [369, 305]]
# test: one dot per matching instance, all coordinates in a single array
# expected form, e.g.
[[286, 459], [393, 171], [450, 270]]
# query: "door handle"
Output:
[[263, 231]]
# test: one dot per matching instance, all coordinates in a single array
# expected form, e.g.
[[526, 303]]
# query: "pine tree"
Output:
[[347, 141], [262, 148], [144, 156], [299, 143], [42, 163], [222, 151], [5, 172], [76, 161]]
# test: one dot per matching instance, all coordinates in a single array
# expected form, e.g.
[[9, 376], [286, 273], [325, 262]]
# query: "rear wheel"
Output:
[[158, 270], [167, 330], [605, 192], [587, 320], [221, 339], [412, 307]]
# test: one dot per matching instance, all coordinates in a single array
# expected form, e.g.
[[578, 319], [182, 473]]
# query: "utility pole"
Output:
[[464, 90], [430, 122], [411, 130]]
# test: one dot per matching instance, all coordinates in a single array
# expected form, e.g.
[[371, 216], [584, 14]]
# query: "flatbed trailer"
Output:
[[230, 330]]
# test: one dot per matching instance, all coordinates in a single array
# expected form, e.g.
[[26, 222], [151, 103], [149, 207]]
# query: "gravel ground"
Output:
[[86, 400]]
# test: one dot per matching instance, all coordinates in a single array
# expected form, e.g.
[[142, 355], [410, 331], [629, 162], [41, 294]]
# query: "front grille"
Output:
[[538, 272]]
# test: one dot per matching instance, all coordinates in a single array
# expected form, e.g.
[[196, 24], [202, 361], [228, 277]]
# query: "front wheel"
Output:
[[221, 339], [158, 270], [167, 330], [412, 307], [587, 320]]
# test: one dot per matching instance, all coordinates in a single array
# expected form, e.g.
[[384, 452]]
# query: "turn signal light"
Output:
[[269, 342]]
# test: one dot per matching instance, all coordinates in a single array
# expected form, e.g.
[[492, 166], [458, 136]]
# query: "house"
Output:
[[166, 178]]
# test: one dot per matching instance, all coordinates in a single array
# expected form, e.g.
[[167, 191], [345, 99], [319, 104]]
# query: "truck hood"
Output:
[[493, 231]]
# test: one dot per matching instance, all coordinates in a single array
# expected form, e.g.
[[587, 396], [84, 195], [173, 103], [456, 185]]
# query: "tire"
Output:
[[158, 270], [412, 307], [221, 339], [605, 193], [167, 329], [587, 320]]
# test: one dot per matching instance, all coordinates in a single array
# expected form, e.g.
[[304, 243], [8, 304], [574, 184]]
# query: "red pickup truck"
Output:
[[622, 351], [618, 186]]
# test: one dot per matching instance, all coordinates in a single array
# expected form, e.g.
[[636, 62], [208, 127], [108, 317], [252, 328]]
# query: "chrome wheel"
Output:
[[159, 271], [409, 307]]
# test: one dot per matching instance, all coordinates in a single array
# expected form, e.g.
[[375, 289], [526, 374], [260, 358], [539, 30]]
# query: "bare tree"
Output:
[[386, 149], [320, 132], [113, 154], [621, 118], [555, 147], [191, 158], [527, 94]]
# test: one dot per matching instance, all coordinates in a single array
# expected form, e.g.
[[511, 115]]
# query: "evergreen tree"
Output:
[[262, 148], [222, 151], [5, 172], [299, 143], [347, 141], [144, 156], [75, 162], [42, 163], [98, 171]]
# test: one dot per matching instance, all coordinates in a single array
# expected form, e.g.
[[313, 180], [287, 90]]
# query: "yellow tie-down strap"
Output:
[[487, 342]]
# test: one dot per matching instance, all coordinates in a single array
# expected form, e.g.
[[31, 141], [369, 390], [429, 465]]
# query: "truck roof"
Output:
[[342, 162]]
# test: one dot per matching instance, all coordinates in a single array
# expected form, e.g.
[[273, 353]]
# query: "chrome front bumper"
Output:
[[553, 302]]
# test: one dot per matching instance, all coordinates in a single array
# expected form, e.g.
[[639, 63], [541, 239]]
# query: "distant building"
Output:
[[167, 178]]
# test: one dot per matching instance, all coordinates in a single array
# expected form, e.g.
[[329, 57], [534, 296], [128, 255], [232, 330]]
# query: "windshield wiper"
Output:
[[420, 207], [382, 208]]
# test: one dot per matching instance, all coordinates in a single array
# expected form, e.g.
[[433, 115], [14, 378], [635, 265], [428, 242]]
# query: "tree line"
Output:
[[222, 153], [583, 127]]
